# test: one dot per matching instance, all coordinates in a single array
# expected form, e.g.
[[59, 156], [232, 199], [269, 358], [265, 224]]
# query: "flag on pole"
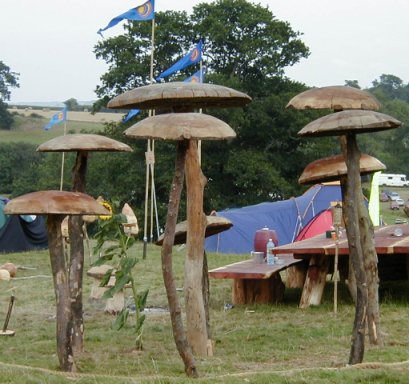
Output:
[[193, 57], [197, 77], [130, 115], [143, 12], [59, 117]]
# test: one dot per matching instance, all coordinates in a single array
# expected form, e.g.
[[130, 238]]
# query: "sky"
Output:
[[50, 42]]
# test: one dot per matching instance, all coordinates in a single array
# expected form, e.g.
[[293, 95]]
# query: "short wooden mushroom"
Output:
[[56, 205], [113, 304], [214, 225], [82, 144], [332, 168]]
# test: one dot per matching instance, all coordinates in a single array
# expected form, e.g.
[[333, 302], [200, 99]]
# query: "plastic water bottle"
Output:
[[269, 252]]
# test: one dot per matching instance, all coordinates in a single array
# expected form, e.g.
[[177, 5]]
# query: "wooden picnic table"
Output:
[[255, 282], [319, 250]]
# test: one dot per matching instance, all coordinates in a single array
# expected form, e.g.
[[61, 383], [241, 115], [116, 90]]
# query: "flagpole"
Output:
[[148, 163], [62, 159], [199, 143]]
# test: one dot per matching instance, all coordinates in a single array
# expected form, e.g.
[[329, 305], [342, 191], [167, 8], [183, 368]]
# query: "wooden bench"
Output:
[[255, 282]]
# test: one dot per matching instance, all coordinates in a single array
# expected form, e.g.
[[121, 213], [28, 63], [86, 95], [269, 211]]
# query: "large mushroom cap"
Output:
[[333, 167], [336, 97], [180, 126], [55, 202], [215, 224], [83, 142], [357, 121], [179, 94]]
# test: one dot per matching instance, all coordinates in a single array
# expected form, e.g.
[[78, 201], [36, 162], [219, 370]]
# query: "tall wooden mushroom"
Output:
[[82, 144], [185, 128], [347, 124], [340, 98], [56, 205], [185, 97], [333, 168]]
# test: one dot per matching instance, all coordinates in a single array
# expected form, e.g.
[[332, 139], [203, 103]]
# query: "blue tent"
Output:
[[286, 217]]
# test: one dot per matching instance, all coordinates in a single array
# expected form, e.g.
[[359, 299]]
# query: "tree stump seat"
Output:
[[114, 304]]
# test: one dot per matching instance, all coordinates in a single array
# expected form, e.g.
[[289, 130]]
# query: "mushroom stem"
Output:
[[76, 263], [352, 193], [370, 257], [196, 227], [62, 293], [179, 334]]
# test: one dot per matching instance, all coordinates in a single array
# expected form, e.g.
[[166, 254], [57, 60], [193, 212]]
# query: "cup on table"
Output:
[[258, 257]]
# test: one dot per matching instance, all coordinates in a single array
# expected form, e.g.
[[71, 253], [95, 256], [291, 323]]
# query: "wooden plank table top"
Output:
[[250, 269], [386, 242]]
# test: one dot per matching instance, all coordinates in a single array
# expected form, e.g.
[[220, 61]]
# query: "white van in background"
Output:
[[393, 180]]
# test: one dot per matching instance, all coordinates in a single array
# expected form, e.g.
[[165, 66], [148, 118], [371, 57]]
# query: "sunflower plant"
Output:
[[112, 245]]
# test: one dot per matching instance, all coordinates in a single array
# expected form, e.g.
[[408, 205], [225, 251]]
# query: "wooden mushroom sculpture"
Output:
[[348, 124], [56, 205], [333, 168], [185, 97], [186, 128], [82, 144]]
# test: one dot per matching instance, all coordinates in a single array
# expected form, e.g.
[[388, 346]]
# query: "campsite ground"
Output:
[[257, 344]]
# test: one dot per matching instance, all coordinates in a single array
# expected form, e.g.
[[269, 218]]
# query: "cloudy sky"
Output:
[[50, 42]]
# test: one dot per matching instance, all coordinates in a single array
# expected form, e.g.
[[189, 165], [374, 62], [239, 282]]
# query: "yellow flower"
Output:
[[107, 206]]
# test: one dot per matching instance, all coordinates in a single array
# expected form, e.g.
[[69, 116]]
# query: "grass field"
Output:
[[29, 125], [253, 344]]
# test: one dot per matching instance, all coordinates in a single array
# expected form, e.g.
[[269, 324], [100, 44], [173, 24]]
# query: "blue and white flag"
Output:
[[59, 117], [197, 77], [146, 11], [130, 115], [193, 57]]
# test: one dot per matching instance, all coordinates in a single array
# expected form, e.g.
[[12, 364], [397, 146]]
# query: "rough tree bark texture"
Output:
[[371, 269], [370, 262], [76, 267], [179, 335], [206, 293], [62, 293], [352, 157], [351, 275], [196, 227]]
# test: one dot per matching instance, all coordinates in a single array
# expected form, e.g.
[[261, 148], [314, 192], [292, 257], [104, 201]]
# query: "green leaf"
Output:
[[120, 319], [141, 299], [139, 324], [106, 277]]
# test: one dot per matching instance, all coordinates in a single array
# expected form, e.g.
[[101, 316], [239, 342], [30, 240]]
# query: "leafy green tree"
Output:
[[246, 48], [72, 104], [8, 79]]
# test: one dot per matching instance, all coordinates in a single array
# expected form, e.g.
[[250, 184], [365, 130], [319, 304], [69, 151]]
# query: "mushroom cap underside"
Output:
[[55, 202], [332, 168], [215, 225], [83, 142], [181, 126], [354, 121]]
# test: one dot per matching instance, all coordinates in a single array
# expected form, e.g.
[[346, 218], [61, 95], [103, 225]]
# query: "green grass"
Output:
[[257, 344], [31, 130]]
